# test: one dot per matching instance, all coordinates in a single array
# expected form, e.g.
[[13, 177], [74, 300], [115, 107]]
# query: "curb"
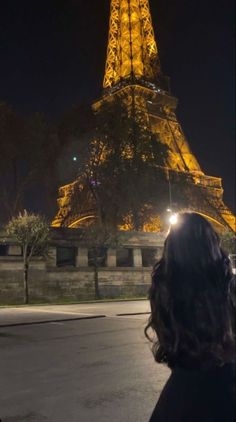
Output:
[[134, 313], [86, 302], [17, 324], [48, 321]]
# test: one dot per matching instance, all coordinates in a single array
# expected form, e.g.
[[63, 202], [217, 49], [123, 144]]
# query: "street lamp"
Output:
[[170, 193], [173, 219]]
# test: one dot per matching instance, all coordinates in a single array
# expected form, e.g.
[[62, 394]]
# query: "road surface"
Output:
[[63, 364]]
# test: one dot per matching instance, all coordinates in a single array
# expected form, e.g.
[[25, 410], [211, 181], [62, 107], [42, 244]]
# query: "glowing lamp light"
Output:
[[173, 219], [74, 158]]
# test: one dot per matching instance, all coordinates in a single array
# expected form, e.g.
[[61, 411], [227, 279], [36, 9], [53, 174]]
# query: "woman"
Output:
[[192, 299]]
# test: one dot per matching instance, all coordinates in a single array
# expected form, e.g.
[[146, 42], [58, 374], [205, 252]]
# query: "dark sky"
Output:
[[52, 55]]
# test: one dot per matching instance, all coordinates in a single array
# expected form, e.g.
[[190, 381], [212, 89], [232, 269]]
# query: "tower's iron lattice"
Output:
[[133, 72]]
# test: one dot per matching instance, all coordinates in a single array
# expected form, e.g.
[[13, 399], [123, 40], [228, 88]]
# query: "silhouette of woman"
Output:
[[193, 303]]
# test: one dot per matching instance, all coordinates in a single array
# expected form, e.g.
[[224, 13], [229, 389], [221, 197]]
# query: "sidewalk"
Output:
[[41, 314]]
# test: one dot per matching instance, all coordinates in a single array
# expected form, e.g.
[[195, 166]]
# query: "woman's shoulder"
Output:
[[196, 394]]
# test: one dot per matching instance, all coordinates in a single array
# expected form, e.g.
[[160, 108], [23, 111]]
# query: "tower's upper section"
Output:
[[132, 53]]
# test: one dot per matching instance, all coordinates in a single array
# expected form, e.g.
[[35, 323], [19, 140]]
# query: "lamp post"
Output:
[[169, 187], [173, 218]]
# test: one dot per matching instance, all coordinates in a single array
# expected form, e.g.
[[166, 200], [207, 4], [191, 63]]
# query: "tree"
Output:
[[31, 231], [74, 130], [29, 151], [12, 145], [125, 171], [123, 178], [228, 242], [98, 238], [42, 153]]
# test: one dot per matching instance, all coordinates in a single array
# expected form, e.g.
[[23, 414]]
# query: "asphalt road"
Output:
[[79, 370]]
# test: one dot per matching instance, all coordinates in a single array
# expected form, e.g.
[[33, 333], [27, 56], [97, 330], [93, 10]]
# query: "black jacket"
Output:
[[198, 396]]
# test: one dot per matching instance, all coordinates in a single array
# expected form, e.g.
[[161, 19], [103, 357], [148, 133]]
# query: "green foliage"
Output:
[[31, 231], [36, 157], [123, 172], [74, 132], [12, 146], [228, 242], [29, 151], [43, 151]]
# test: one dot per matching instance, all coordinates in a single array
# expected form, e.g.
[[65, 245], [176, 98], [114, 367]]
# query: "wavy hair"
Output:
[[192, 298]]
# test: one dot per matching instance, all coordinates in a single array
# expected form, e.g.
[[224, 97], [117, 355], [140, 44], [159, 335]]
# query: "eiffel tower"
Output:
[[133, 71]]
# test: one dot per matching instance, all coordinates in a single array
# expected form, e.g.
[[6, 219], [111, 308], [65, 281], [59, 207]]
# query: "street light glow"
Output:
[[173, 219]]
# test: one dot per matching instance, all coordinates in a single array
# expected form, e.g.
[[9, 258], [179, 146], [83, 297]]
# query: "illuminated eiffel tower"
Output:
[[133, 72]]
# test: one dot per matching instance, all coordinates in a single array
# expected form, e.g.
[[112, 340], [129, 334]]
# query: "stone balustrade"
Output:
[[68, 271]]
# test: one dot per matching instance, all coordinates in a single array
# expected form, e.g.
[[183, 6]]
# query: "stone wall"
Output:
[[56, 279]]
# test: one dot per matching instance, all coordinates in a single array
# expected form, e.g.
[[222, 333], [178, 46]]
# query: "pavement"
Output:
[[68, 363], [46, 313]]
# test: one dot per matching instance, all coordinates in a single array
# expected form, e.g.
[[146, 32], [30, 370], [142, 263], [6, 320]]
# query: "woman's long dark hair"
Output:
[[192, 298]]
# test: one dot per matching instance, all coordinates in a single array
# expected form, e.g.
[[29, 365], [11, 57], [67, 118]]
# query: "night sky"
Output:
[[52, 55]]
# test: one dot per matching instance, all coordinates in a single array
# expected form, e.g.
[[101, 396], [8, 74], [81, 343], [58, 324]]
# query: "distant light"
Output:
[[168, 210], [95, 182], [74, 158], [173, 219]]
